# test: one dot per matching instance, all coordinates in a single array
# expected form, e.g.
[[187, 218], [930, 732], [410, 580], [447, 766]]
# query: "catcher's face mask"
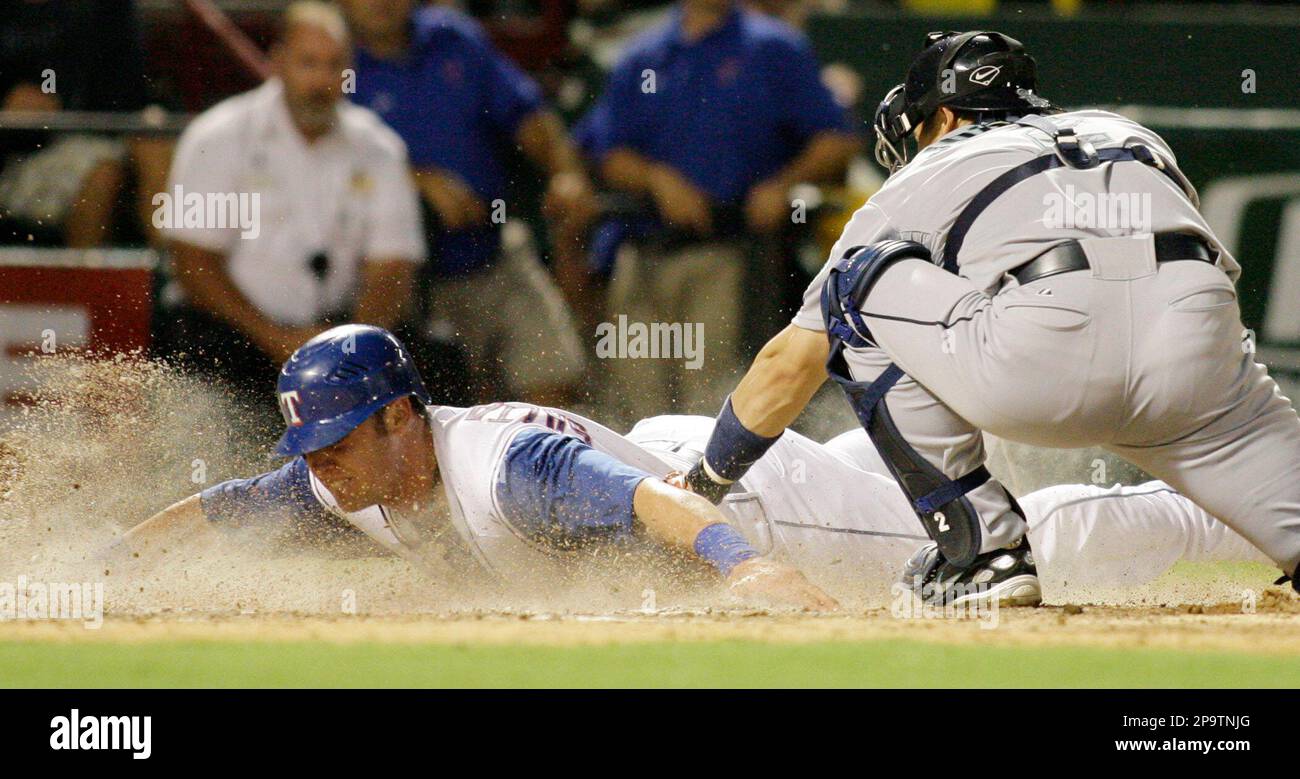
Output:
[[893, 126]]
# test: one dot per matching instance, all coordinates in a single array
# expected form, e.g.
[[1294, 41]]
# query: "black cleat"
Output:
[[1295, 582], [1007, 576]]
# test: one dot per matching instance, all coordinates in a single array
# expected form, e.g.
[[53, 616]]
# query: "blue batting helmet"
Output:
[[335, 381]]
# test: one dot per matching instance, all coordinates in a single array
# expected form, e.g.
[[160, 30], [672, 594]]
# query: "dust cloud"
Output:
[[104, 444]]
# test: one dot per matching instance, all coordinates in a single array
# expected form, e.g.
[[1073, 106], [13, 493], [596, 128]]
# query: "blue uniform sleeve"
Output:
[[284, 494], [557, 488], [806, 104]]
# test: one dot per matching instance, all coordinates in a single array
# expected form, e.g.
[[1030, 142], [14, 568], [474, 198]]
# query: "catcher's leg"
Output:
[[936, 456], [1207, 419], [1245, 475]]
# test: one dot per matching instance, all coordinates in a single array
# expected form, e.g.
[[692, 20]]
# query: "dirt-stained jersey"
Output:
[[518, 480]]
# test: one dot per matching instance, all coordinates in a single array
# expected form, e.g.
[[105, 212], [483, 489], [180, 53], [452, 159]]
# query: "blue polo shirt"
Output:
[[457, 102], [727, 110]]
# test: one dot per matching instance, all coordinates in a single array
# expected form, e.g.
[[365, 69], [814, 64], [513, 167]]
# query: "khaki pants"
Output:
[[698, 285], [1145, 361], [513, 321]]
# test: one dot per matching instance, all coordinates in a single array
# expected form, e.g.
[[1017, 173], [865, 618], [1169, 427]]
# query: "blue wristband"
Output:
[[732, 447], [722, 546]]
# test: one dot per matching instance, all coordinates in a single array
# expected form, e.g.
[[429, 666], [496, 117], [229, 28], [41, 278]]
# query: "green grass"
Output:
[[716, 664], [1223, 573]]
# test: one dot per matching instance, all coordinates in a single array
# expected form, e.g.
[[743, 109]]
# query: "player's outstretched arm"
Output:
[[686, 522], [182, 522], [785, 375], [200, 519], [558, 486]]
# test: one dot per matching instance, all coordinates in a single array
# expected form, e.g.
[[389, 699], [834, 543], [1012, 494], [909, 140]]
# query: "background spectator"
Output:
[[713, 117], [460, 105], [69, 55], [338, 234]]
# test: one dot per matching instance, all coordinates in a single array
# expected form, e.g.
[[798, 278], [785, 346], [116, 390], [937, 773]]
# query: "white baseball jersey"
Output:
[[471, 445]]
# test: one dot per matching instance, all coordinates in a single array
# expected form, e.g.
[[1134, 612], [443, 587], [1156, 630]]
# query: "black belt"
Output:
[[1070, 256]]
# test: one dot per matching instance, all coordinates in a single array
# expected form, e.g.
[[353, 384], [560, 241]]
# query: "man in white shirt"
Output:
[[290, 209]]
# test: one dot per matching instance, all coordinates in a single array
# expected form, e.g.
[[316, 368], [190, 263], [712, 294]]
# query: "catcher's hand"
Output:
[[697, 481], [768, 582]]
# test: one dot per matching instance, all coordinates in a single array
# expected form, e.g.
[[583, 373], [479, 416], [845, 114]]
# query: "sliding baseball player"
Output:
[[523, 486]]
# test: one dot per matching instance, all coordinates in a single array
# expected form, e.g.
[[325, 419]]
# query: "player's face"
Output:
[[359, 470], [311, 64]]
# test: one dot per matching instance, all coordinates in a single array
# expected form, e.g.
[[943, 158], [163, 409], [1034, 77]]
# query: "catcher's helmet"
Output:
[[335, 381], [973, 71]]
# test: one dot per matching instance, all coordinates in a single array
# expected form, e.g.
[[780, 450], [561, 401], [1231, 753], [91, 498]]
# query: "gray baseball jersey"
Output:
[[921, 201], [1142, 357]]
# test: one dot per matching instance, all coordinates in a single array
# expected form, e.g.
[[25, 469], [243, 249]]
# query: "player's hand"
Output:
[[767, 209], [458, 206], [768, 582], [677, 479], [680, 203]]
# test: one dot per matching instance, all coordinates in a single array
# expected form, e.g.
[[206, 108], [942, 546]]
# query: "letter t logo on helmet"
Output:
[[289, 408]]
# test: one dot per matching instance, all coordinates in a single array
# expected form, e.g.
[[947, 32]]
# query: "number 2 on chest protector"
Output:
[[942, 521]]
